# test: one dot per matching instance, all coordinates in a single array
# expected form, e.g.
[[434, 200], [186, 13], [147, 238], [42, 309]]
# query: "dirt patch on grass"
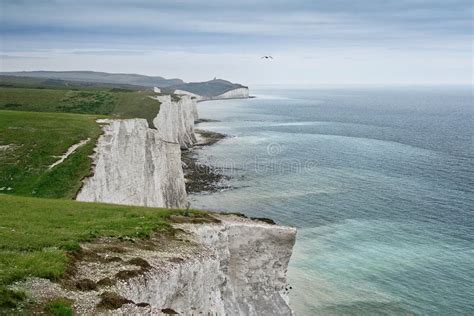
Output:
[[194, 219], [142, 263], [111, 300], [86, 285], [169, 311], [106, 282], [176, 260], [128, 274]]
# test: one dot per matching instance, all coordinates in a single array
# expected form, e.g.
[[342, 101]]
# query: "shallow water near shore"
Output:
[[379, 182]]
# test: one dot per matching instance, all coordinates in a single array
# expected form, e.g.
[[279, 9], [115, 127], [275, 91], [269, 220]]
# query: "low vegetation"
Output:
[[59, 307], [116, 102], [208, 89], [41, 227], [48, 83], [36, 235], [94, 77], [31, 142]]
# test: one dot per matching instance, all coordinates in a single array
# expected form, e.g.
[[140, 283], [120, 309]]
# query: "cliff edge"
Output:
[[137, 165], [134, 166], [231, 266]]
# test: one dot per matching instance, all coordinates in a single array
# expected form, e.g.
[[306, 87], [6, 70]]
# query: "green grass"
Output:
[[34, 141], [115, 102], [35, 234], [59, 307], [47, 83]]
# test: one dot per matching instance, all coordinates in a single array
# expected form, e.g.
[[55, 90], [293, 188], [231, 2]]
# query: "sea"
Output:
[[378, 180]]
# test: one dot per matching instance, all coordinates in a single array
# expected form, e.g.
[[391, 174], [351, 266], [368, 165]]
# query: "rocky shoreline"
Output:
[[199, 177]]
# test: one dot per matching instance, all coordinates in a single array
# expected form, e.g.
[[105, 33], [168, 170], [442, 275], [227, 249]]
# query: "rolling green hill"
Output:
[[41, 227], [38, 236], [107, 81], [46, 83], [94, 76], [131, 104], [30, 142], [208, 89]]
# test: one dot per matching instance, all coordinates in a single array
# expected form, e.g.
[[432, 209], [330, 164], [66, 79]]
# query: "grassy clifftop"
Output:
[[209, 89], [130, 104], [98, 77], [37, 235], [40, 224], [31, 142]]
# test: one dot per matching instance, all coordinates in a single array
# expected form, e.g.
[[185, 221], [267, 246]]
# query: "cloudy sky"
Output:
[[312, 41]]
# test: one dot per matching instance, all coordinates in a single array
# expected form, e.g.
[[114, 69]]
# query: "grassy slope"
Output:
[[210, 88], [35, 234], [35, 140], [45, 83], [98, 77], [129, 104]]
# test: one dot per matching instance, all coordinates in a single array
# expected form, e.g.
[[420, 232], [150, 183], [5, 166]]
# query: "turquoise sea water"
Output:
[[379, 182]]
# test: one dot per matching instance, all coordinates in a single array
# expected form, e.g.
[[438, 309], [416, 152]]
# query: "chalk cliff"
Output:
[[230, 266], [190, 94], [137, 165], [134, 166], [240, 93], [234, 266], [238, 268], [175, 120]]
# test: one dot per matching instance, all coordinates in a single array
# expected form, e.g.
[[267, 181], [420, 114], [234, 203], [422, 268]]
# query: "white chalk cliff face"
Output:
[[134, 166], [175, 120], [233, 267], [190, 94], [237, 267], [240, 93]]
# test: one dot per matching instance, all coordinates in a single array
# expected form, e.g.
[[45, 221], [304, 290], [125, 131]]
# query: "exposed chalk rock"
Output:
[[190, 94], [240, 93], [134, 166], [156, 90], [175, 120], [253, 260], [239, 269], [235, 267]]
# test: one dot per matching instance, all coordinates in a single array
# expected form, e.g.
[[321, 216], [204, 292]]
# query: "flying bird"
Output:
[[267, 57]]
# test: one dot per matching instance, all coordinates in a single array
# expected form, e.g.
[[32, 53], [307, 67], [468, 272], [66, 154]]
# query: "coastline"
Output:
[[199, 177]]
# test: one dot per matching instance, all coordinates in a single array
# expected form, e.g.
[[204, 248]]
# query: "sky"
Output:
[[312, 41]]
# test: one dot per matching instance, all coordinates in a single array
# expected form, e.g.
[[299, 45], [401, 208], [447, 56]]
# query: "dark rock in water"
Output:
[[200, 177], [203, 120], [209, 137]]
